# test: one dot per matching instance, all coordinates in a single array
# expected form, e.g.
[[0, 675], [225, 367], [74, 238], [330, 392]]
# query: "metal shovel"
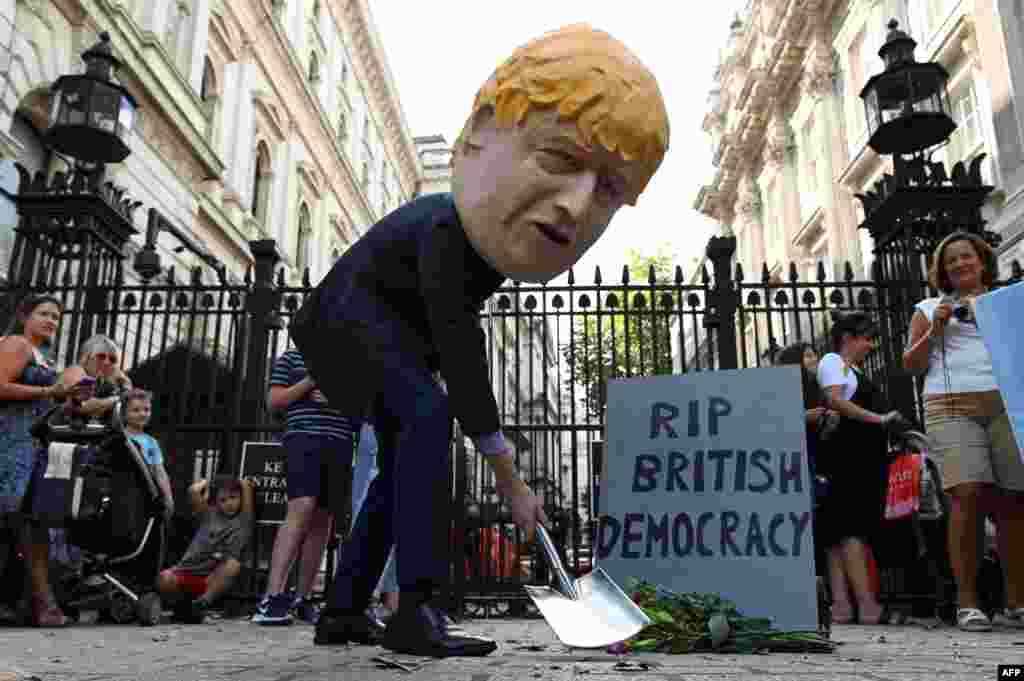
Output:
[[590, 612]]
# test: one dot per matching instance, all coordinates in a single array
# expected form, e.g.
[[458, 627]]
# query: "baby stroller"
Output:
[[94, 483], [915, 577]]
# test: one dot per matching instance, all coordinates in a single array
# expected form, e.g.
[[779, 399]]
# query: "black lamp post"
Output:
[[91, 117], [73, 223], [906, 105], [909, 211]]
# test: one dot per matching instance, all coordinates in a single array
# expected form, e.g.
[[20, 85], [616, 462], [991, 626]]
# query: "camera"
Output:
[[961, 311], [963, 314]]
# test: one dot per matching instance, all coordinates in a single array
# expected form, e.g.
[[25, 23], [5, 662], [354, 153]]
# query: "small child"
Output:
[[138, 408], [213, 559]]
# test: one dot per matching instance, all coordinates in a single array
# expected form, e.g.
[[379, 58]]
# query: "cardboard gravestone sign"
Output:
[[266, 464], [706, 489]]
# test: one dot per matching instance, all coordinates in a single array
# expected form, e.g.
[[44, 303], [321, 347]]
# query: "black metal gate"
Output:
[[204, 344]]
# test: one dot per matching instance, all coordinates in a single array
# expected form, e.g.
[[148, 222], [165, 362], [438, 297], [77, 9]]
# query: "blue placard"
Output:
[[1000, 316], [707, 489]]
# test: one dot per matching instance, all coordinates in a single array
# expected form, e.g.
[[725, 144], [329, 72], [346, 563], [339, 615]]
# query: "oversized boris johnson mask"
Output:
[[569, 129]]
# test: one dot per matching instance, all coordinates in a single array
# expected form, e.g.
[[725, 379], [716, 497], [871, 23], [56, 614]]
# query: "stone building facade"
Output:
[[788, 130], [258, 119]]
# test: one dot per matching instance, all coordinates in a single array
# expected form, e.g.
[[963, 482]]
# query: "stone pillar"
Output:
[[154, 14], [238, 149], [839, 221], [282, 209], [200, 31], [296, 29], [992, 48], [750, 222]]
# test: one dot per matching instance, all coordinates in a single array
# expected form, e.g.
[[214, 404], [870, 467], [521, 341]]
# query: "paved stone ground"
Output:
[[236, 649]]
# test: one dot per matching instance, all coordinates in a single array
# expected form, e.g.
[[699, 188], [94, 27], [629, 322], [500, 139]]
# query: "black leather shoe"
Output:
[[339, 628], [424, 630]]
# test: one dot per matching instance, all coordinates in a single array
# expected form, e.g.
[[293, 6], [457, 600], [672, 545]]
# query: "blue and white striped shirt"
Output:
[[306, 415]]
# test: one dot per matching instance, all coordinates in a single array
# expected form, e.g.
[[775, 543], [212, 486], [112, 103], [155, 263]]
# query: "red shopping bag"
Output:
[[904, 494]]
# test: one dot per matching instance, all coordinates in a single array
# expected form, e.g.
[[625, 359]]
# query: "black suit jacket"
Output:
[[408, 292]]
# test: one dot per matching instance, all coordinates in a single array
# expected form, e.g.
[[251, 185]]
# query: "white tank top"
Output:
[[967, 363]]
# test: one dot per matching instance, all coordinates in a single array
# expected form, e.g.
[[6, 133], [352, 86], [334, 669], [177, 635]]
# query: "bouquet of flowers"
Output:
[[686, 623]]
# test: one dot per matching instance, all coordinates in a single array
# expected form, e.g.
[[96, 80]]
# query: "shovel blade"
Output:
[[602, 615]]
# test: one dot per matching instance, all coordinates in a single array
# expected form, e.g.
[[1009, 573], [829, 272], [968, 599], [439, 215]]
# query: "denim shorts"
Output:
[[308, 459]]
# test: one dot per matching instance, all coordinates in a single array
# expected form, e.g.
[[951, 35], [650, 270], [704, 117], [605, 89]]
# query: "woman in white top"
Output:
[[966, 420], [854, 461]]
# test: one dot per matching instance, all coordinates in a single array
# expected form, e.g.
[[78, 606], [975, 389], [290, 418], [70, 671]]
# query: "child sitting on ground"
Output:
[[213, 559], [138, 408]]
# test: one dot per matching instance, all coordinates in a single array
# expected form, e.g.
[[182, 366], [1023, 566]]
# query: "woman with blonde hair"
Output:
[[966, 420], [100, 359]]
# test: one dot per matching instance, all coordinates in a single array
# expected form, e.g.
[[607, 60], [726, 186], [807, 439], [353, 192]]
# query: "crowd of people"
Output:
[[966, 421]]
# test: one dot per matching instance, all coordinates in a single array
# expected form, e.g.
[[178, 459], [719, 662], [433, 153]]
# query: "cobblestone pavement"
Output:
[[236, 649]]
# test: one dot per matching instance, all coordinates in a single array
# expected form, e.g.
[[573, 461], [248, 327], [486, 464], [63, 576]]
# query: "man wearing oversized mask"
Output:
[[565, 132]]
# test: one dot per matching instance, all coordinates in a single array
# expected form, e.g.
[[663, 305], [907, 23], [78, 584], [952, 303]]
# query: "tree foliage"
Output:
[[623, 335]]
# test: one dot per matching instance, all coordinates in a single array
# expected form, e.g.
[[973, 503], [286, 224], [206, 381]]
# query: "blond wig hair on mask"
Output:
[[589, 77]]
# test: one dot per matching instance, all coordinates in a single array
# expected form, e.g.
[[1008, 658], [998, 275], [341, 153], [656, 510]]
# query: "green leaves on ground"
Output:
[[685, 623]]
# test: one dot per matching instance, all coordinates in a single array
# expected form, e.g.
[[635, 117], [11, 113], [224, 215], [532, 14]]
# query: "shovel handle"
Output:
[[565, 584]]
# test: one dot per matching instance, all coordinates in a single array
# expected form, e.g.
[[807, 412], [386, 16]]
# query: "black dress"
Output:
[[855, 462]]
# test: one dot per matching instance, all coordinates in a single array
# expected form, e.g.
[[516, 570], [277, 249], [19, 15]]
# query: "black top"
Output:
[[411, 288]]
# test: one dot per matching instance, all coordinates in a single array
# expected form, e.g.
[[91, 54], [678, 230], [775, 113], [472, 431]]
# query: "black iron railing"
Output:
[[205, 346]]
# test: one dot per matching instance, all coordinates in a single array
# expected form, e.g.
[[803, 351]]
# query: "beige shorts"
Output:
[[975, 448]]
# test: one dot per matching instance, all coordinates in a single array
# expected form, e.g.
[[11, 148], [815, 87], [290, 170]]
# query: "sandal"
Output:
[[882, 616], [972, 619], [47, 614], [1009, 617], [842, 613]]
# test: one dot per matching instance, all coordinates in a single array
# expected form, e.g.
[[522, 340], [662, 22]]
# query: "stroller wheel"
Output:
[[122, 608], [149, 609]]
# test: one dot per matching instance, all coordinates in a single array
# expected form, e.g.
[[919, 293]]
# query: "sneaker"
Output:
[[190, 612], [1011, 618], [972, 619], [274, 610], [197, 613], [305, 610]]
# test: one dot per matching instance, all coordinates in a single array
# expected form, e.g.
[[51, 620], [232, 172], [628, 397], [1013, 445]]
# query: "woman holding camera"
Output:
[[967, 423], [99, 361]]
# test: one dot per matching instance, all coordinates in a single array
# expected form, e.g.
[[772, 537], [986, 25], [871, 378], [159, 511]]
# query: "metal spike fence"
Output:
[[205, 345]]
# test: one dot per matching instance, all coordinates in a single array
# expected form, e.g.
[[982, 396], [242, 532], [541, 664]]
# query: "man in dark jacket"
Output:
[[566, 131]]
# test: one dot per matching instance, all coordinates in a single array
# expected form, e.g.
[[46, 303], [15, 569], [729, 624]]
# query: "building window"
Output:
[[963, 104], [926, 16], [342, 127], [809, 171], [261, 183], [859, 68], [772, 222], [208, 86], [35, 157], [302, 241], [314, 68]]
